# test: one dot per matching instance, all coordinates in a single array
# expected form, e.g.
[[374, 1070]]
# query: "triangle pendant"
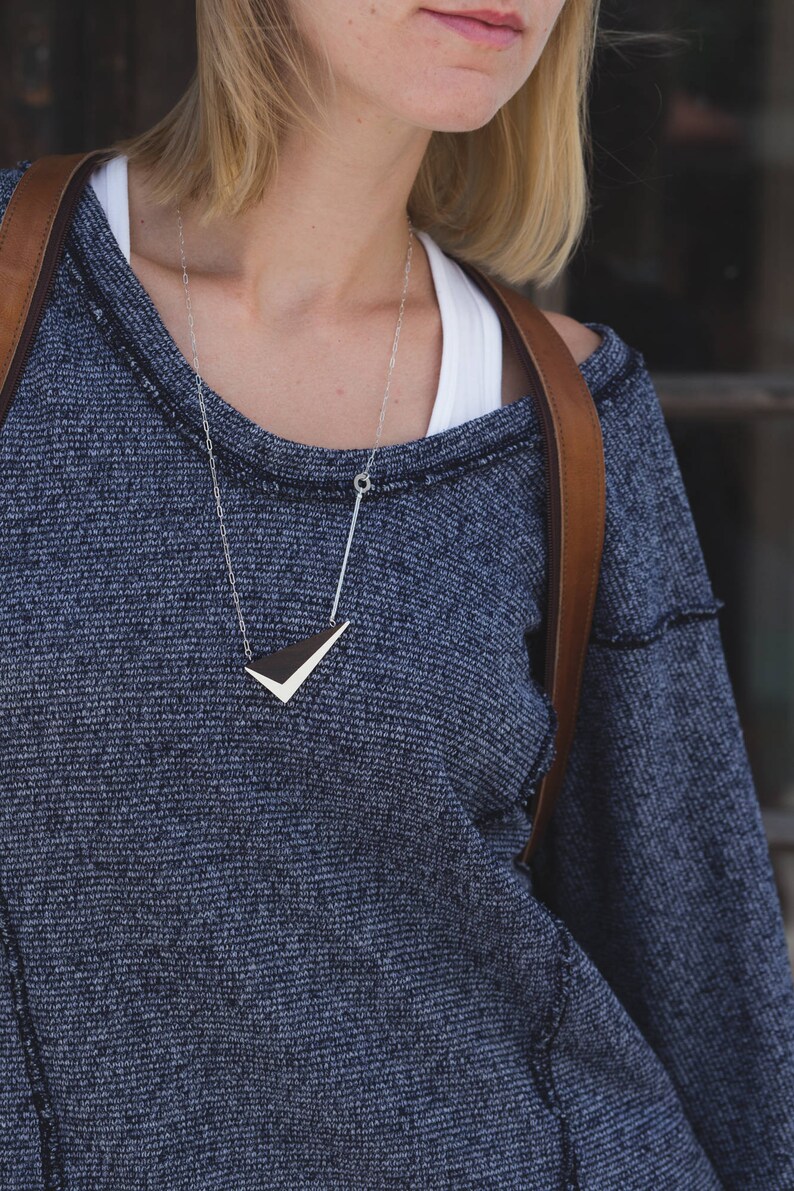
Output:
[[284, 671]]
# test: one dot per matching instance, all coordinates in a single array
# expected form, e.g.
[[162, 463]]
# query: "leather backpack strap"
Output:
[[32, 235], [576, 487]]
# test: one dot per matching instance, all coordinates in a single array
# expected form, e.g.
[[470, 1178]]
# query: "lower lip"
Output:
[[479, 31]]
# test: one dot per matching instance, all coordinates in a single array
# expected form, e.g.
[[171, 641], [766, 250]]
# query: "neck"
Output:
[[331, 232]]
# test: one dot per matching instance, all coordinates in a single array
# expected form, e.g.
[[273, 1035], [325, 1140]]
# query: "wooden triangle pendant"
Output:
[[284, 671]]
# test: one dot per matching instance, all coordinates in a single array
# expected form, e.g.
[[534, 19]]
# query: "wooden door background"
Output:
[[75, 74]]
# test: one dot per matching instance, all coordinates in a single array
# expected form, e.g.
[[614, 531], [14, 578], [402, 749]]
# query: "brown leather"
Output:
[[31, 239], [576, 491]]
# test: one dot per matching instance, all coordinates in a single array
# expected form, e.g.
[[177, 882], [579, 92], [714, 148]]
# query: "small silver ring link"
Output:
[[362, 482]]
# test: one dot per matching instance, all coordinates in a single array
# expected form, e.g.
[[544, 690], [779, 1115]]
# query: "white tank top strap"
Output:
[[470, 380], [110, 183]]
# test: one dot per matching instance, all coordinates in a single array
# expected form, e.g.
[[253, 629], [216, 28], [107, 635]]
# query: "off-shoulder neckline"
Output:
[[129, 318]]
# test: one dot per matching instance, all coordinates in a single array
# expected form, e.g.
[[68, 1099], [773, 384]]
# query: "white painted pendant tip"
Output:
[[284, 672]]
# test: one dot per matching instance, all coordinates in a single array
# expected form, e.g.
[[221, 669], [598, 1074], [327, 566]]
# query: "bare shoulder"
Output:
[[580, 340]]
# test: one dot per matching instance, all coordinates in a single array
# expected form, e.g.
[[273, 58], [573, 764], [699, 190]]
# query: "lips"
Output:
[[482, 26], [487, 15]]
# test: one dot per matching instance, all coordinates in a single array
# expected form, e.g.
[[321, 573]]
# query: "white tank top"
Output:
[[470, 378]]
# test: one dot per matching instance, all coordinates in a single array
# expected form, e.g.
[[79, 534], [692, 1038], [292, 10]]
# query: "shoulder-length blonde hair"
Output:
[[510, 197]]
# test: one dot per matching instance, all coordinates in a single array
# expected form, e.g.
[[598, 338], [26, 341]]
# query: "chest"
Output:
[[125, 663], [316, 378]]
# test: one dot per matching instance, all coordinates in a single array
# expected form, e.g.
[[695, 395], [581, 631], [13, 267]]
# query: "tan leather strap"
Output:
[[32, 233], [31, 239], [576, 494]]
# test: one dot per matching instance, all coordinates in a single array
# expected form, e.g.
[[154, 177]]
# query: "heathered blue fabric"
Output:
[[257, 945]]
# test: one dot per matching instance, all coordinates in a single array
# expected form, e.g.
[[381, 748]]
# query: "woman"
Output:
[[261, 921]]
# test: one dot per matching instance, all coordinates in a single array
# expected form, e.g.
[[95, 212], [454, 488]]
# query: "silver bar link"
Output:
[[361, 482]]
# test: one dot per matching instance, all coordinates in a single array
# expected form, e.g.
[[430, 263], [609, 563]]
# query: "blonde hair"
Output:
[[510, 197]]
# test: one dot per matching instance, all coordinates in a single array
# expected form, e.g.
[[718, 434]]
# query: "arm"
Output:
[[656, 857], [22, 1142]]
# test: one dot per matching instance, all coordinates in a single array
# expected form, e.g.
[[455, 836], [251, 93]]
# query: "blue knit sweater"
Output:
[[249, 944]]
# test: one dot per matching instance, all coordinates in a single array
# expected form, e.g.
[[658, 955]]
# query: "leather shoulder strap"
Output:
[[574, 458], [32, 234]]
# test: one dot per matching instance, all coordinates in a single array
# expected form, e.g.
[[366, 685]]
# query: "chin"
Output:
[[464, 107]]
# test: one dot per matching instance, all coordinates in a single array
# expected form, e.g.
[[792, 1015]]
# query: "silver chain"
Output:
[[361, 481]]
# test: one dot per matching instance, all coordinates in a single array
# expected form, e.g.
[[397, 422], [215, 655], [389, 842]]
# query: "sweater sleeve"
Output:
[[656, 857]]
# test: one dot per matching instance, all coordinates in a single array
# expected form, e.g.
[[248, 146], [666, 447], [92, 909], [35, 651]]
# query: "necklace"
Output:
[[283, 672]]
